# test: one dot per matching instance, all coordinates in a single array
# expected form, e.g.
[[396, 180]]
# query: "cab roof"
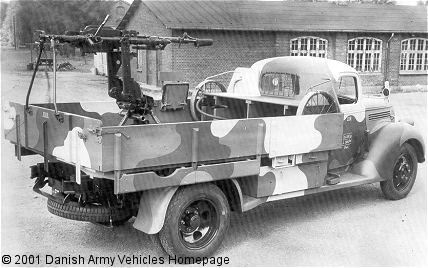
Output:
[[301, 65]]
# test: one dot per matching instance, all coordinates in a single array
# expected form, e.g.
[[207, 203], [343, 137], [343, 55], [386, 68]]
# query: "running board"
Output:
[[346, 180]]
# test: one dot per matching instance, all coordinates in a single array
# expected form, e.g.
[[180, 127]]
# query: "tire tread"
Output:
[[179, 198], [88, 213], [387, 186]]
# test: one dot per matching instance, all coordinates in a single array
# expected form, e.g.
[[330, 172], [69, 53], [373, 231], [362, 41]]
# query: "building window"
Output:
[[309, 46], [364, 54], [141, 59], [414, 56]]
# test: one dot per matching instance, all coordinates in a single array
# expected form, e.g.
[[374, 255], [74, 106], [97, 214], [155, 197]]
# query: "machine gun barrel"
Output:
[[63, 38], [141, 41], [196, 41]]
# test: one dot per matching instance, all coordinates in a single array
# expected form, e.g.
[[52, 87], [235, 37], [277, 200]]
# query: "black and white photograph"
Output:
[[220, 133]]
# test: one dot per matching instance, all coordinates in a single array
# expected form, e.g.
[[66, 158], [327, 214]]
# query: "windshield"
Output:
[[346, 89]]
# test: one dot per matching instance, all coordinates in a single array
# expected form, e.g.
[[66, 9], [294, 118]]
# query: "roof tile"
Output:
[[289, 16]]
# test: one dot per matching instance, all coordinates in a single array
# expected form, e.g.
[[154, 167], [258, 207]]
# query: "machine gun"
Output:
[[117, 45]]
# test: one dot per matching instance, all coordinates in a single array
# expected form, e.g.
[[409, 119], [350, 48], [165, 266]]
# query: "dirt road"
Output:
[[350, 227]]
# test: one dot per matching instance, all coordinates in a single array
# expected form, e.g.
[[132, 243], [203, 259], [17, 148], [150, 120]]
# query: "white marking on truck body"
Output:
[[68, 152]]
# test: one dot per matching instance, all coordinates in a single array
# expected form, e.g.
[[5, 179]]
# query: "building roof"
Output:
[[289, 16], [128, 15]]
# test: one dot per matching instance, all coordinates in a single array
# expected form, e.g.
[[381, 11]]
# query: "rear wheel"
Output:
[[196, 221], [404, 173]]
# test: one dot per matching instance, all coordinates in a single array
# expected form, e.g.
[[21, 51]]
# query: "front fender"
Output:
[[152, 210], [384, 143]]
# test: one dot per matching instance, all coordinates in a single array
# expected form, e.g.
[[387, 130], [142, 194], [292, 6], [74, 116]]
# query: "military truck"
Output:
[[283, 128]]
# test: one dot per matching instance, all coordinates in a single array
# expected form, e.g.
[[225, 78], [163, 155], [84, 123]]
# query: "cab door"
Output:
[[348, 91]]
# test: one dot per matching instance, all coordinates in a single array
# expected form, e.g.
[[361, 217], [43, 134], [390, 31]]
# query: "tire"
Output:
[[405, 168], [196, 221], [116, 222], [156, 244], [90, 213]]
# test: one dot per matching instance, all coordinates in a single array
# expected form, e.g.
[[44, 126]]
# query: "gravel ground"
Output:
[[349, 227]]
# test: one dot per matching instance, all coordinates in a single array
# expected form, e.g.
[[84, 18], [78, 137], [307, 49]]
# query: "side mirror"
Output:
[[385, 92]]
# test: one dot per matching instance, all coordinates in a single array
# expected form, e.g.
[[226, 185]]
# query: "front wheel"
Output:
[[196, 221], [404, 173]]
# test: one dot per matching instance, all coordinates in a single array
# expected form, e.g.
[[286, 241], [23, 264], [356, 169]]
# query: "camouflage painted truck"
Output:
[[283, 128]]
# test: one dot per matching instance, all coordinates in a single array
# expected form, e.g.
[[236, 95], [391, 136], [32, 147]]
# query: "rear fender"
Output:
[[154, 204], [152, 210], [384, 143]]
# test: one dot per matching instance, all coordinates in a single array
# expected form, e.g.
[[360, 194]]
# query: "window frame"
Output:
[[409, 56], [141, 59], [356, 100], [281, 88], [360, 56], [296, 48]]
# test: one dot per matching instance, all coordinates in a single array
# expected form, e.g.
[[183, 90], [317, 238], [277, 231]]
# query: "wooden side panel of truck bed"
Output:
[[163, 145], [220, 140]]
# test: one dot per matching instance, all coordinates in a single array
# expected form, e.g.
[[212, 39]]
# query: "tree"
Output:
[[3, 9], [52, 16]]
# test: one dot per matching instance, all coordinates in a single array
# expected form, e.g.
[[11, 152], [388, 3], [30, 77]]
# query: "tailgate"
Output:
[[70, 140]]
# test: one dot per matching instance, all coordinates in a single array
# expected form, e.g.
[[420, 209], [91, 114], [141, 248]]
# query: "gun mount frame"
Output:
[[117, 45]]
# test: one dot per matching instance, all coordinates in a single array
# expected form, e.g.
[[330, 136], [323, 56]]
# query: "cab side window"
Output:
[[346, 89]]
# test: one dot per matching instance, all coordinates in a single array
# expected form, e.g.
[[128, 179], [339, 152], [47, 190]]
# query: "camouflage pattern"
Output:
[[163, 145], [385, 141], [153, 205], [185, 176], [273, 154], [75, 133], [171, 144]]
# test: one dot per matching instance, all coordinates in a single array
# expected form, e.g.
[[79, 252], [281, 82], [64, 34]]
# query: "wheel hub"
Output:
[[195, 221], [402, 172], [198, 224], [190, 221]]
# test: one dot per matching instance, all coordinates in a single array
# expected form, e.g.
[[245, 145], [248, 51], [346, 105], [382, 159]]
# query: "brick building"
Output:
[[383, 42]]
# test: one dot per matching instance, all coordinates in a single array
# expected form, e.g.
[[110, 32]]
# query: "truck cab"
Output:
[[297, 87]]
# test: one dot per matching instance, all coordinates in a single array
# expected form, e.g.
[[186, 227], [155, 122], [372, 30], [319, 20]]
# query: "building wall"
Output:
[[242, 49], [146, 66], [233, 49], [117, 11], [404, 80], [230, 50]]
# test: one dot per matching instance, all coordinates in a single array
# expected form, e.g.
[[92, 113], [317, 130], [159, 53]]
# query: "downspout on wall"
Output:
[[386, 73]]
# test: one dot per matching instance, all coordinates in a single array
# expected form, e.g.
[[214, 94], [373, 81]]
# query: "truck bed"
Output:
[[90, 137]]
